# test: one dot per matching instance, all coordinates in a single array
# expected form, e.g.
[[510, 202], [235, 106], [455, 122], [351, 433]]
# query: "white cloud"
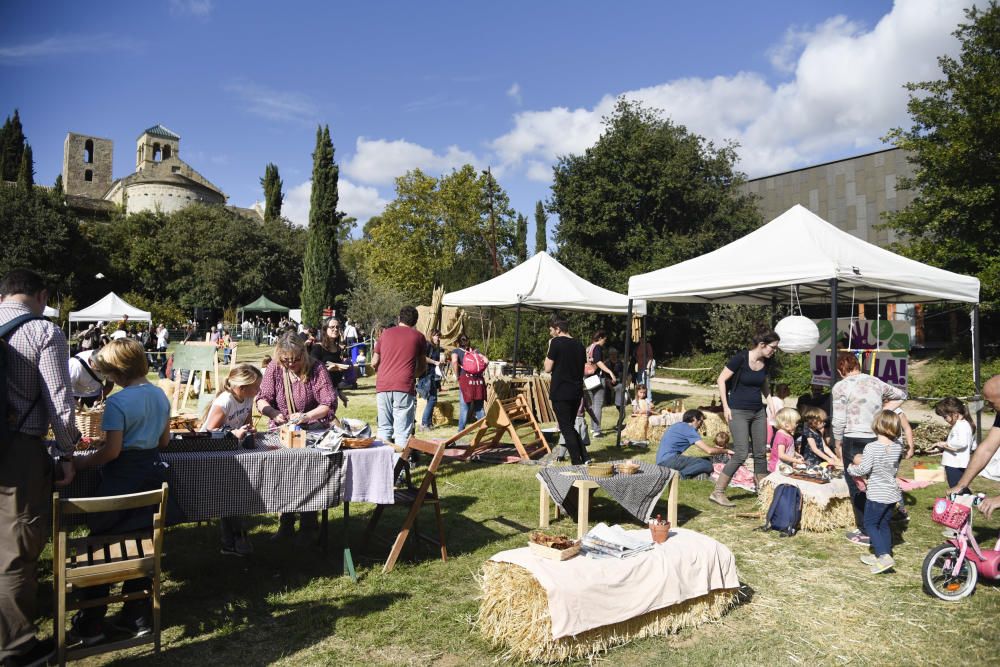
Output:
[[197, 8], [359, 201], [62, 45], [280, 105], [380, 161], [844, 92], [514, 93]]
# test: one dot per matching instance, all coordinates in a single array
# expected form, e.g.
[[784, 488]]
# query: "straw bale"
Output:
[[441, 415], [815, 519], [514, 617], [714, 424]]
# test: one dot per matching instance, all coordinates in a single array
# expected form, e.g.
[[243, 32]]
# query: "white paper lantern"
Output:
[[798, 334]]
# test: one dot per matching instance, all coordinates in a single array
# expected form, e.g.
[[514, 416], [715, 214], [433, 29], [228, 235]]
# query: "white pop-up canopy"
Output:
[[799, 248], [542, 282], [110, 308]]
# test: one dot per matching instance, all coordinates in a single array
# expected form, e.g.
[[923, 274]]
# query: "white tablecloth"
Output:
[[587, 593], [821, 494], [368, 474]]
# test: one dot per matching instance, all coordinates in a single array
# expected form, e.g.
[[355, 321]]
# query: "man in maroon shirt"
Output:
[[398, 360]]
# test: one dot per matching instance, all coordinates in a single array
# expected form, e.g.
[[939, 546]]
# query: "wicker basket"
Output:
[[88, 421], [627, 468]]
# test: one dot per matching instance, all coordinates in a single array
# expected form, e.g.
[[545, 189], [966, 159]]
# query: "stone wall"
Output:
[[165, 197], [76, 167], [851, 194]]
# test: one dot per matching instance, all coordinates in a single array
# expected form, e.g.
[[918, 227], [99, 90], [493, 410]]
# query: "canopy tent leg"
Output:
[[517, 335], [628, 352], [977, 377], [833, 334]]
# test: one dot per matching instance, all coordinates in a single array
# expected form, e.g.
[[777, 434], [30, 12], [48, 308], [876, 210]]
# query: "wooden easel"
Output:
[[512, 417], [193, 357]]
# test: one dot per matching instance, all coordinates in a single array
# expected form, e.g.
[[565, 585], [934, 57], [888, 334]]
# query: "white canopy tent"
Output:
[[799, 248], [111, 307], [542, 283], [800, 252]]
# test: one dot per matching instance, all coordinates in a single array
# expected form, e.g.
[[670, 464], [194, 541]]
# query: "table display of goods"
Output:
[[819, 474], [553, 547], [202, 441], [184, 422]]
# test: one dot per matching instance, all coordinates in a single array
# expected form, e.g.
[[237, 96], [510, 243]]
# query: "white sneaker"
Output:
[[883, 564], [869, 559]]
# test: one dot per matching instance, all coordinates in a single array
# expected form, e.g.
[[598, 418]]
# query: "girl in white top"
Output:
[[232, 410], [961, 438]]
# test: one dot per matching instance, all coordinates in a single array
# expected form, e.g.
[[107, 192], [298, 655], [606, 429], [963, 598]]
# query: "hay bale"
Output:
[[442, 414], [714, 424], [514, 617], [837, 514]]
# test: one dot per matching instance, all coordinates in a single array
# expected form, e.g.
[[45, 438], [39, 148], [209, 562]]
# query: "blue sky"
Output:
[[438, 84]]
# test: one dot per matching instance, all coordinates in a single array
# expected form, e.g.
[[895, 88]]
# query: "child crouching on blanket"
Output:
[[879, 463]]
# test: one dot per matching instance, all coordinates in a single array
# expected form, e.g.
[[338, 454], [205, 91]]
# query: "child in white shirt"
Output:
[[961, 438], [232, 411]]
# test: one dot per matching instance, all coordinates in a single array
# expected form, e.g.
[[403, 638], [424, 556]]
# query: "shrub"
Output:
[[948, 377]]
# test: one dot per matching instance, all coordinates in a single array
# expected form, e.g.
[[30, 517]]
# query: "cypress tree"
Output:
[[57, 187], [26, 171], [273, 196], [12, 147], [521, 245], [321, 278], [541, 236]]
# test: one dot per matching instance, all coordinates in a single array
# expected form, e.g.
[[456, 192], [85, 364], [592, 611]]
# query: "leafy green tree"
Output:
[[37, 234], [26, 171], [648, 194], [321, 277], [57, 187], [954, 145], [440, 232], [521, 243], [11, 147], [541, 233], [374, 303], [273, 197]]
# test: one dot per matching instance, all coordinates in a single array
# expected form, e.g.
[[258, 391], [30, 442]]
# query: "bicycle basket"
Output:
[[949, 513]]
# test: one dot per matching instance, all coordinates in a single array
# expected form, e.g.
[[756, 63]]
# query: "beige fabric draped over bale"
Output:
[[585, 593], [825, 507]]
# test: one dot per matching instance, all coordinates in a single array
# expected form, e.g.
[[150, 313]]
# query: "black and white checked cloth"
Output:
[[209, 485], [637, 493]]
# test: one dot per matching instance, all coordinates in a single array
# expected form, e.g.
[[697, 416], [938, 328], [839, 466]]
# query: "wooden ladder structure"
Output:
[[509, 416]]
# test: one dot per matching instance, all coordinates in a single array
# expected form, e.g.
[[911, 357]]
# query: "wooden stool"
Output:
[[583, 505]]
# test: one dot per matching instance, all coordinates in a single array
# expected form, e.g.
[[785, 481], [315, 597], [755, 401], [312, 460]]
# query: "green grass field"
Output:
[[813, 602]]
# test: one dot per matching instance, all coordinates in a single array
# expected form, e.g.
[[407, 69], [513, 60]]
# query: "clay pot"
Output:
[[660, 531]]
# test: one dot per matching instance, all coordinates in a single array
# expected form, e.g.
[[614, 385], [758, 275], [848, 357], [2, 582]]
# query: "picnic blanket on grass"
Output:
[[587, 593], [637, 493]]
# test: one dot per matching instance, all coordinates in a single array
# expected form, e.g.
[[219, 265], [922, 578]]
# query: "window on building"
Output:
[[88, 151], [157, 153], [88, 175], [166, 151]]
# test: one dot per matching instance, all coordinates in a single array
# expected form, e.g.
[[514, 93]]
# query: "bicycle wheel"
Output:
[[938, 575]]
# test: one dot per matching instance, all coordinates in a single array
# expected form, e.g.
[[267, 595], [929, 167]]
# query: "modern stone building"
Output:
[[852, 193], [161, 181]]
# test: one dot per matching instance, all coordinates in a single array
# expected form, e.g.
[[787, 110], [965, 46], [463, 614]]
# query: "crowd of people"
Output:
[[859, 426]]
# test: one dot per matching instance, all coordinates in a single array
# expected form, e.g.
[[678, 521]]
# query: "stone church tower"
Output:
[[87, 165], [156, 145]]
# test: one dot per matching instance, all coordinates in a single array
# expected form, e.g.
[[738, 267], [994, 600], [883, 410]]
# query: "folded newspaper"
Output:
[[604, 541]]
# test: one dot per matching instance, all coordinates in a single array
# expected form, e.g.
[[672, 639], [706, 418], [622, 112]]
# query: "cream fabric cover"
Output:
[[587, 593]]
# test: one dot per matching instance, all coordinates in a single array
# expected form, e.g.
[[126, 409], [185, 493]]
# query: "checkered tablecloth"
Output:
[[208, 485], [637, 493]]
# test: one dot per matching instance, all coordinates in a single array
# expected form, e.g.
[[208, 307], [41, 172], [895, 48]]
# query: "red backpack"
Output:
[[474, 362]]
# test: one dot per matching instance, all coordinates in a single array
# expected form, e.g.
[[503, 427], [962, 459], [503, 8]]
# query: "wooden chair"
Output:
[[105, 559], [414, 497]]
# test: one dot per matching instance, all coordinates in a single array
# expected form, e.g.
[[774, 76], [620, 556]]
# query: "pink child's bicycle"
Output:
[[951, 570]]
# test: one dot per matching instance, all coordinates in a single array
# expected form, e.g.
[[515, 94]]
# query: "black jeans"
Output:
[[850, 447], [566, 417]]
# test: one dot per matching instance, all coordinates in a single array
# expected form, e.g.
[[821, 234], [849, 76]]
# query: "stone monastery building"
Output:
[[161, 181]]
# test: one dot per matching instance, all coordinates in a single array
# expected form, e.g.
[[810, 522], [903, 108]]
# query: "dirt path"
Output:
[[917, 411]]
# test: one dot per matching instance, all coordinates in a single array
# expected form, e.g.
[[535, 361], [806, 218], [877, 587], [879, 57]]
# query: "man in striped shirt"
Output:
[[38, 394]]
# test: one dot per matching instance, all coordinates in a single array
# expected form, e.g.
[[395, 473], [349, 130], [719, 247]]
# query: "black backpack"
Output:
[[8, 424]]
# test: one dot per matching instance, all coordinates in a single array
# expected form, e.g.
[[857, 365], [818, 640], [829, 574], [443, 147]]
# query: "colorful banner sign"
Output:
[[882, 347]]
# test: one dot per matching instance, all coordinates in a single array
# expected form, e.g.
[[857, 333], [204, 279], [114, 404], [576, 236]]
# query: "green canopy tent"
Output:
[[263, 305]]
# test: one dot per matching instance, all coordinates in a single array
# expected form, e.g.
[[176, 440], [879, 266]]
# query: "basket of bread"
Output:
[[553, 547]]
